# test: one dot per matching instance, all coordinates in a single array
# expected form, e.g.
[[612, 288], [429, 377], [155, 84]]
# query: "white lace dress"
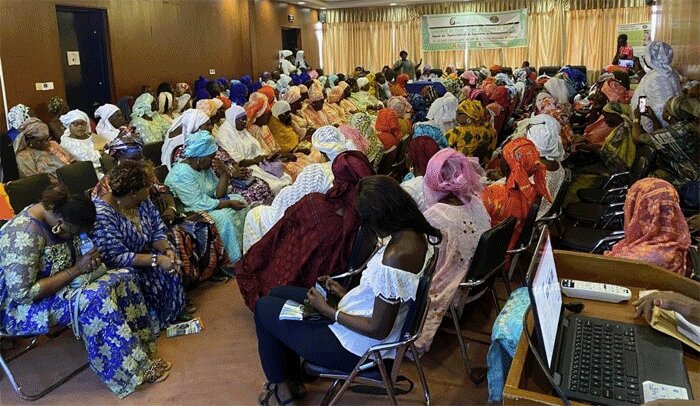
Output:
[[391, 285], [315, 178], [82, 150], [554, 181]]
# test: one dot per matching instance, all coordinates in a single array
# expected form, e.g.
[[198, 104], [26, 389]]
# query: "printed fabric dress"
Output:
[[119, 240], [112, 319], [197, 190]]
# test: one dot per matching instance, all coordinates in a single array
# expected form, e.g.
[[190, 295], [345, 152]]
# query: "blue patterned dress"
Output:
[[112, 318], [197, 190], [119, 240]]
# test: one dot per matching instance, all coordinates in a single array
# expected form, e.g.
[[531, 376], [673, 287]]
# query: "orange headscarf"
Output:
[[655, 228], [256, 107], [399, 88], [388, 128], [269, 93]]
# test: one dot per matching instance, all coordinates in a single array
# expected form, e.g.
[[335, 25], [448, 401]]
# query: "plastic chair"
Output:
[[77, 177], [153, 152], [372, 369], [489, 258], [27, 191]]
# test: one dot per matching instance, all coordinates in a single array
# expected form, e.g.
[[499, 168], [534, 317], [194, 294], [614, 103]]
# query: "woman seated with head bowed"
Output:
[[388, 128], [78, 139], [296, 104], [363, 123], [183, 98], [403, 111], [36, 152], [130, 233], [195, 237], [322, 228], [372, 313], [655, 229], [193, 181], [151, 126], [452, 187], [315, 178], [15, 117], [618, 151], [399, 86], [420, 151], [361, 97], [677, 144], [515, 197], [543, 130], [317, 112], [443, 112], [473, 136], [338, 100], [111, 119], [41, 261]]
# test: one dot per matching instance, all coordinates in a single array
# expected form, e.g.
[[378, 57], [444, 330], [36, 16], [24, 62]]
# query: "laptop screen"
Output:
[[545, 294]]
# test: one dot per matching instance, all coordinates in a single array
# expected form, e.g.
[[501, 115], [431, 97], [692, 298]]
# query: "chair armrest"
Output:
[[471, 284], [518, 250], [349, 273], [613, 178], [547, 219], [609, 238], [621, 191]]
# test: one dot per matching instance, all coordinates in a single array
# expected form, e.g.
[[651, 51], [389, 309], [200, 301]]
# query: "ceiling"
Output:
[[328, 4]]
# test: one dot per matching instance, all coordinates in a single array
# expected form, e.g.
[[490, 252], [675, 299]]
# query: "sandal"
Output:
[[154, 375], [270, 389], [162, 365]]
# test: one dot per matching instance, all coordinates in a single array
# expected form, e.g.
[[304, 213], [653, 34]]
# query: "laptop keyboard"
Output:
[[605, 361]]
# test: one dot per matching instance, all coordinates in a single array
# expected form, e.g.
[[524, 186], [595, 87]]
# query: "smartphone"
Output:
[[642, 104]]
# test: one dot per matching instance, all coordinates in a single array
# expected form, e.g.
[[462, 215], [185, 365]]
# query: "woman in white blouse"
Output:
[[78, 138], [369, 314]]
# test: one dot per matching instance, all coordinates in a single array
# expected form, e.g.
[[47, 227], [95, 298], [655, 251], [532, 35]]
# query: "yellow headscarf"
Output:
[[474, 110]]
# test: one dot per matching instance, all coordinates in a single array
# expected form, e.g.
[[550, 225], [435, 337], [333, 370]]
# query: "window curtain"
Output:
[[677, 24], [374, 37]]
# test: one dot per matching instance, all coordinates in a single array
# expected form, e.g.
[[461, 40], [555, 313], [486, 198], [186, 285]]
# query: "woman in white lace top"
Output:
[[544, 131], [371, 313]]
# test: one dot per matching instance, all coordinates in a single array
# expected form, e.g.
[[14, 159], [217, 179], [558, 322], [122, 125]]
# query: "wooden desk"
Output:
[[527, 384]]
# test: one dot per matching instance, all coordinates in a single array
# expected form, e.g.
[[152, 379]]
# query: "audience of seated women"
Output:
[[369, 314], [47, 280]]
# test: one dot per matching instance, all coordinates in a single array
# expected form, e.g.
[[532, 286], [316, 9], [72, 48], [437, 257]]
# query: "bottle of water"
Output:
[[86, 244]]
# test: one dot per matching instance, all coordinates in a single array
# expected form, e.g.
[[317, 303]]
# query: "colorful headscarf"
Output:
[[348, 168], [495, 68], [209, 106], [524, 161], [182, 88], [427, 130], [31, 129], [104, 128], [473, 110], [621, 109], [269, 93], [420, 108], [142, 106], [17, 115], [655, 228], [451, 173], [615, 91], [659, 56], [199, 145], [336, 94], [330, 141], [388, 128], [399, 104], [126, 143], [256, 107], [292, 95], [544, 131], [354, 137], [420, 150], [470, 77]]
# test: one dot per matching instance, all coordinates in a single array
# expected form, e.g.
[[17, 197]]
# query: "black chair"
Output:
[[78, 177], [399, 168], [363, 248], [553, 215], [548, 70], [588, 239], [153, 152], [27, 191], [388, 160], [8, 159], [372, 369], [488, 260], [526, 238], [161, 173], [107, 163]]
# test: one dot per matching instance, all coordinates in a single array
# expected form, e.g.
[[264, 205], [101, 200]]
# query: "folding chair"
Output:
[[371, 370], [553, 215], [13, 382], [27, 191], [153, 152], [489, 258], [526, 239], [400, 167], [78, 177], [388, 160]]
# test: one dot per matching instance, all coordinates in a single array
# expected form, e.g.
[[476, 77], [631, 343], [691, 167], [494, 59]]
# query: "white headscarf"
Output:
[[280, 108], [285, 54], [189, 121], [232, 113], [557, 88], [545, 132], [330, 141], [443, 112], [300, 59], [283, 83], [182, 101], [362, 82], [162, 98], [72, 116], [104, 128], [17, 115]]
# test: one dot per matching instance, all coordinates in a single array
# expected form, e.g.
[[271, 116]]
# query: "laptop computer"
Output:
[[596, 360]]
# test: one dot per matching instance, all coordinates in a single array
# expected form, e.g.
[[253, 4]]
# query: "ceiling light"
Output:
[[393, 4], [301, 3]]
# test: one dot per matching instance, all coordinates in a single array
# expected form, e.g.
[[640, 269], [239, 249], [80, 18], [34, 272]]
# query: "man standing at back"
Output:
[[406, 66]]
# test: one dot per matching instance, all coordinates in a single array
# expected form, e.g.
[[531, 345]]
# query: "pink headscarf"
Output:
[[655, 229], [451, 173], [353, 134], [469, 77]]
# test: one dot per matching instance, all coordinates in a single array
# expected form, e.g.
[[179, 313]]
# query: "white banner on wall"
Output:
[[638, 36], [447, 32]]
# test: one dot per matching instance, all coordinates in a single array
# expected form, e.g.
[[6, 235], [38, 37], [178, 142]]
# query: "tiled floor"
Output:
[[220, 365]]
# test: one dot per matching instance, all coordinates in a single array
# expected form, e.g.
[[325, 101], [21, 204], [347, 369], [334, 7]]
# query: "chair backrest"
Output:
[[161, 173], [77, 177], [153, 152], [507, 70], [400, 167], [415, 317], [26, 191], [558, 201], [107, 163], [548, 70], [8, 159], [491, 250], [388, 160], [529, 226], [643, 163]]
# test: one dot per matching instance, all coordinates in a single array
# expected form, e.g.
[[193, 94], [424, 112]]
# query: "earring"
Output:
[[57, 228]]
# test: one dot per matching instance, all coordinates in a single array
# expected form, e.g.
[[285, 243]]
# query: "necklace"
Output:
[[132, 215]]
